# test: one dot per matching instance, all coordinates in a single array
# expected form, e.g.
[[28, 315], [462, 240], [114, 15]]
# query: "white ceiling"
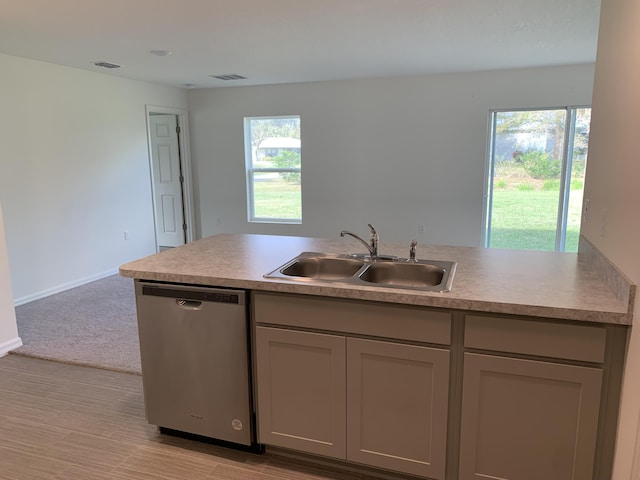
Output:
[[284, 41]]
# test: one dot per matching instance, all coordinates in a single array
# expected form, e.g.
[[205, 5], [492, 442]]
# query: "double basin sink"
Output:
[[394, 272]]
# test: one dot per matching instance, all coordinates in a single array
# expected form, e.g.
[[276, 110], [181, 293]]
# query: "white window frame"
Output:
[[567, 161], [251, 171]]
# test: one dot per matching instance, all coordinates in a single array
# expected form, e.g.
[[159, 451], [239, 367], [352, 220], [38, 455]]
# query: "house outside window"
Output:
[[273, 156], [535, 178]]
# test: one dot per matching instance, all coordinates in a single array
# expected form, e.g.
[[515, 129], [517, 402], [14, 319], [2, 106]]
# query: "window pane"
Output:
[[276, 198], [527, 164], [274, 146], [578, 166]]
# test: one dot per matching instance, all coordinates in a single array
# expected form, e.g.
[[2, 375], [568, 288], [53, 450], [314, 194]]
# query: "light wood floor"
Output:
[[60, 421]]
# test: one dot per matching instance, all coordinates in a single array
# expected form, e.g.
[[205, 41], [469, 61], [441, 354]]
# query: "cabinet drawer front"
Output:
[[365, 318], [571, 342]]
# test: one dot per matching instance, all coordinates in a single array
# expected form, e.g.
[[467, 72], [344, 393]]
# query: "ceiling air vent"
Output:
[[106, 65], [229, 76]]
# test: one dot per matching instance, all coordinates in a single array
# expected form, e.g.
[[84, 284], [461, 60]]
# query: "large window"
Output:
[[535, 174], [273, 158]]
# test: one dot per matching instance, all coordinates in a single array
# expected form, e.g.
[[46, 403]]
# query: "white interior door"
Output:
[[167, 181]]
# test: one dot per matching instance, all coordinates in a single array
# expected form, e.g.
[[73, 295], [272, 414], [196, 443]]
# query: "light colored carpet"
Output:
[[93, 325]]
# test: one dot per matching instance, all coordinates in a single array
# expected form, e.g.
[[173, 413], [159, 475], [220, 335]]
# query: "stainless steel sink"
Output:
[[391, 272], [398, 274], [322, 267]]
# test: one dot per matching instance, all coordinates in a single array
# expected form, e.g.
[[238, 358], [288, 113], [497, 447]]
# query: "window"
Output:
[[535, 173], [274, 173]]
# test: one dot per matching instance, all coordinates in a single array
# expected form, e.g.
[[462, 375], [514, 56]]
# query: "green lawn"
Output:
[[277, 199], [527, 219]]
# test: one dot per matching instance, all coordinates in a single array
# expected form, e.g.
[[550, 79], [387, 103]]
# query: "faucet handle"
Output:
[[374, 234], [412, 251], [374, 240]]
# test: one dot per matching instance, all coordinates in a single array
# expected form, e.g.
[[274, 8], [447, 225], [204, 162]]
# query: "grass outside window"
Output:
[[277, 198], [526, 219]]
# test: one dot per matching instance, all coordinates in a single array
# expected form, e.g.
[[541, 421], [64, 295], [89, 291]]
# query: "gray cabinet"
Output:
[[437, 394], [528, 420], [373, 401], [525, 419], [397, 403], [301, 391]]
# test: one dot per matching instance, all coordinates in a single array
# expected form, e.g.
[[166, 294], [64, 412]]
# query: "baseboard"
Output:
[[6, 347], [61, 288]]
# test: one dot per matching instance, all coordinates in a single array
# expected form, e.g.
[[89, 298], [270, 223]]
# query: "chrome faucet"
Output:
[[372, 246]]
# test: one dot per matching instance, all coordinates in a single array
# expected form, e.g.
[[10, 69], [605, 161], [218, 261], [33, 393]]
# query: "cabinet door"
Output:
[[397, 406], [528, 420], [301, 390]]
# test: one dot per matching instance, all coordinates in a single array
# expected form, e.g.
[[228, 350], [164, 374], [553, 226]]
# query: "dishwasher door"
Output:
[[195, 360]]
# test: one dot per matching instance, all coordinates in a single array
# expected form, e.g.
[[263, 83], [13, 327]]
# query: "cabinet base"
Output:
[[340, 467], [253, 448]]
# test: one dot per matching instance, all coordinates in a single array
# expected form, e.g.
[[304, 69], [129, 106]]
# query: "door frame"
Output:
[[185, 163]]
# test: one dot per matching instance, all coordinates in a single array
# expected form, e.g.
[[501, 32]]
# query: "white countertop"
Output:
[[543, 284]]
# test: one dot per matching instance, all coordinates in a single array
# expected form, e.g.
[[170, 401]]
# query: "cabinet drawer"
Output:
[[532, 337], [365, 318]]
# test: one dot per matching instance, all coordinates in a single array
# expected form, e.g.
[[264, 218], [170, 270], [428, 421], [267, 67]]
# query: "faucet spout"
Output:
[[351, 234], [372, 246]]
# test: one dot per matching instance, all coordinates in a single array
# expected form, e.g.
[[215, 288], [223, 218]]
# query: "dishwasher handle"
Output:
[[188, 304]]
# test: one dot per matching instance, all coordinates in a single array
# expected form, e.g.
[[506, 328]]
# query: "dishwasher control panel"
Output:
[[211, 296]]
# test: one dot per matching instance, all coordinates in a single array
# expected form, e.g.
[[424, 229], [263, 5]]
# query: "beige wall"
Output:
[[394, 152], [75, 172], [613, 188], [8, 331]]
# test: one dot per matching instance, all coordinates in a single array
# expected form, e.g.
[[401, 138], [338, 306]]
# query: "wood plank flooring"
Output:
[[60, 421]]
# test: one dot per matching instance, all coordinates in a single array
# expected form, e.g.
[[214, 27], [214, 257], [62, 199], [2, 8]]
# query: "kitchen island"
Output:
[[514, 373]]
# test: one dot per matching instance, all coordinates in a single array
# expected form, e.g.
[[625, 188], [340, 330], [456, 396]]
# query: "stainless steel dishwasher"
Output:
[[195, 360]]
